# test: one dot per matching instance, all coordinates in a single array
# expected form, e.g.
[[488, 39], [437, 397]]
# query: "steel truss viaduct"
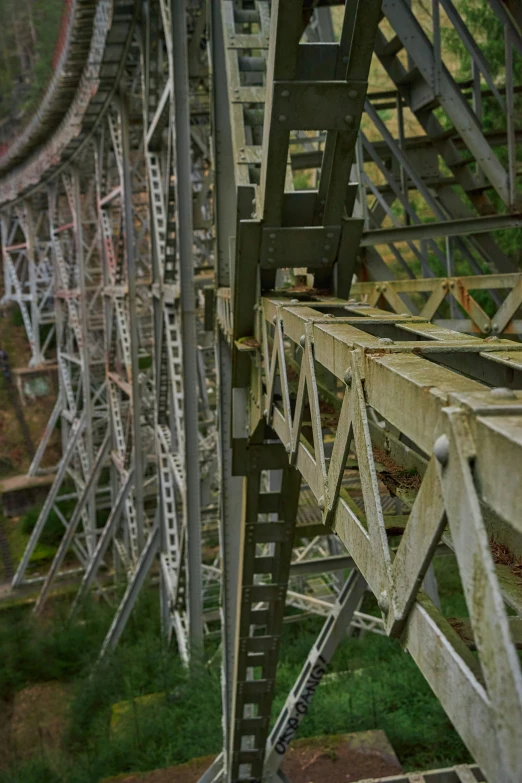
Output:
[[326, 377]]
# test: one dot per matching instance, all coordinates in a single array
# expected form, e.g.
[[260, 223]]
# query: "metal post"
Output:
[[133, 324], [184, 230]]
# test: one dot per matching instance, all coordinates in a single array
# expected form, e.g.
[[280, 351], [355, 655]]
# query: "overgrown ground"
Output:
[[14, 458], [378, 686], [28, 37]]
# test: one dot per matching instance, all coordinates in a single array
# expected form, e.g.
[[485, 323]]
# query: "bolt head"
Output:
[[302, 341], [492, 339], [502, 393], [383, 603], [441, 449]]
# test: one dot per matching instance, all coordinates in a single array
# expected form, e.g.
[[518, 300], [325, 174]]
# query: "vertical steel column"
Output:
[[184, 240], [231, 486], [133, 321], [76, 206], [30, 233]]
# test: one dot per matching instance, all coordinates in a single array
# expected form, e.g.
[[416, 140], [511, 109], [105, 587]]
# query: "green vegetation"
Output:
[[374, 685], [28, 36], [53, 530], [488, 33]]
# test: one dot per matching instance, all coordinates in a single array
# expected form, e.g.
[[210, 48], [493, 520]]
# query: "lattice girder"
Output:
[[459, 423]]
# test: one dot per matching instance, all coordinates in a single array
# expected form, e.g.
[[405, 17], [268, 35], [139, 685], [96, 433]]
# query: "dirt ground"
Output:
[[34, 722], [341, 759], [329, 759]]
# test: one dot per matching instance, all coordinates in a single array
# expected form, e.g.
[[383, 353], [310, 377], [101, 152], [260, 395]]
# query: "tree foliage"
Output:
[[28, 36]]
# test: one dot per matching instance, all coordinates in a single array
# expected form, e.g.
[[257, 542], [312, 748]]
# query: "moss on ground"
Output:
[[380, 688]]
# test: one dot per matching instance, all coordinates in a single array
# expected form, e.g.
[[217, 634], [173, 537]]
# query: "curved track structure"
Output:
[[262, 237]]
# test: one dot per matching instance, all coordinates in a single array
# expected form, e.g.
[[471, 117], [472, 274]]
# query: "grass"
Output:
[[380, 688]]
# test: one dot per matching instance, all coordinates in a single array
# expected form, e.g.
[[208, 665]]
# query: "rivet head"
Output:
[[348, 119], [285, 94], [346, 60], [378, 288], [302, 341], [383, 602], [494, 328], [272, 236], [270, 249], [385, 341], [348, 377], [324, 260], [486, 328], [492, 339], [441, 449], [326, 247], [320, 502], [265, 413], [294, 301], [352, 301], [352, 94], [274, 319], [404, 315], [288, 448], [330, 235], [282, 118], [502, 393]]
